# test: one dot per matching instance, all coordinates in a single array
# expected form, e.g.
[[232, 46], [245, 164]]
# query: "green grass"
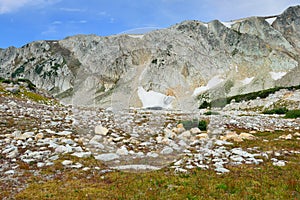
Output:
[[243, 182]]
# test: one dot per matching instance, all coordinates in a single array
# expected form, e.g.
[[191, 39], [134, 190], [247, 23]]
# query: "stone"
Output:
[[202, 136], [152, 154], [186, 135], [100, 130], [86, 169], [169, 134], [10, 172], [66, 162], [166, 150], [136, 167], [231, 136], [39, 136], [63, 133], [247, 136], [63, 149], [122, 151], [76, 166], [82, 154], [279, 163], [40, 164], [195, 131], [107, 157], [222, 170]]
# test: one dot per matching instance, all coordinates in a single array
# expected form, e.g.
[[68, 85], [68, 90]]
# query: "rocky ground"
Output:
[[35, 135]]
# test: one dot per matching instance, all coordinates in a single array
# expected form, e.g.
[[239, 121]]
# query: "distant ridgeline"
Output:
[[189, 64]]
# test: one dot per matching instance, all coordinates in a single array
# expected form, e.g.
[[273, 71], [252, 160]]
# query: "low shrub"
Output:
[[202, 125], [188, 124], [292, 114], [278, 111], [211, 113]]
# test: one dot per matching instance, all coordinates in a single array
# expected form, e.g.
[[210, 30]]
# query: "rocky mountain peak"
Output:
[[190, 61]]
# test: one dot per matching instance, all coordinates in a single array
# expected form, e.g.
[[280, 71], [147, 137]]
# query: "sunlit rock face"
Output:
[[185, 63]]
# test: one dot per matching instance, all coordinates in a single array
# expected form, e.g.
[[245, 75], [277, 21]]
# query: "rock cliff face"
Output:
[[190, 61]]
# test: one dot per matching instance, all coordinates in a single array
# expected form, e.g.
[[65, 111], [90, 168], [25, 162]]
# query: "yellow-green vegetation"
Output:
[[34, 97], [263, 181]]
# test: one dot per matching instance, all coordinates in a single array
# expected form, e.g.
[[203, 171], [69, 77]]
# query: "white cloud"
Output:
[[233, 9], [7, 6], [72, 9]]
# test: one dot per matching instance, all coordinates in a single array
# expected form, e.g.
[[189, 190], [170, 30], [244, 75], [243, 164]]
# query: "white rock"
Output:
[[136, 167], [50, 131], [122, 151], [222, 170], [39, 136], [195, 130], [169, 134], [247, 136], [240, 152], [107, 157], [40, 164], [202, 136], [9, 172], [13, 154], [76, 166], [82, 154], [86, 169], [186, 135], [152, 154], [101, 130], [64, 133], [66, 162], [279, 163], [63, 149], [68, 141], [167, 150]]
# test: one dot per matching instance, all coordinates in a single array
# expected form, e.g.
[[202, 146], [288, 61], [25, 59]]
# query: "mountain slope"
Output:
[[191, 61]]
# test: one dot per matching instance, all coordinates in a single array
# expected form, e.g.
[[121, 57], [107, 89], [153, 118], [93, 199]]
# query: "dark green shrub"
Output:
[[221, 102], [211, 113], [30, 85], [278, 111], [292, 114], [202, 125], [188, 124]]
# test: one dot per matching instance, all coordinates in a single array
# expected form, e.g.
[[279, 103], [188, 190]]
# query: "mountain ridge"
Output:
[[245, 55]]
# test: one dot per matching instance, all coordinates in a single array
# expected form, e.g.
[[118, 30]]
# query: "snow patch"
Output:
[[236, 68], [271, 20], [206, 25], [154, 99], [228, 24], [277, 75], [211, 83], [246, 81], [136, 36]]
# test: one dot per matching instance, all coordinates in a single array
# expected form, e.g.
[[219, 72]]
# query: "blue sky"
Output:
[[24, 21]]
